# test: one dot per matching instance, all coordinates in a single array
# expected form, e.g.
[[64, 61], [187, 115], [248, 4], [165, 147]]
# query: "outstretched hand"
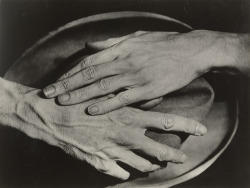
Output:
[[100, 140], [147, 65]]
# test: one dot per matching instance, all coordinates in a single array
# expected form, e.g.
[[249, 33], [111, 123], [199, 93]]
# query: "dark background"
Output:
[[24, 162]]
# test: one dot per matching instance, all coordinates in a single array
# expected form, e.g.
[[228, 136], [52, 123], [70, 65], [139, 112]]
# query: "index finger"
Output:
[[121, 100]]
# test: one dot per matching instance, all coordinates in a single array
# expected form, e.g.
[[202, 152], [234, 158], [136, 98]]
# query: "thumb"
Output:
[[102, 45]]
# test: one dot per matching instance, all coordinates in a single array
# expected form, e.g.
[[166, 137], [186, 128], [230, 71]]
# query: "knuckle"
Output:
[[139, 32], [85, 62], [162, 155], [124, 98], [128, 65], [125, 116], [103, 167], [66, 75], [78, 94], [65, 83], [110, 40], [89, 73], [104, 84], [123, 45], [168, 121], [68, 149]]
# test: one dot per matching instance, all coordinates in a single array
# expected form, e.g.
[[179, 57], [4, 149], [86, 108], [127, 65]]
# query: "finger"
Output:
[[95, 59], [100, 99], [103, 165], [157, 150], [100, 88], [82, 78], [151, 104], [171, 122], [101, 45], [122, 99], [112, 169], [131, 159]]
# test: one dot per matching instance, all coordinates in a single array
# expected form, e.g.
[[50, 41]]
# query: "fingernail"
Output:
[[48, 91], [64, 97], [201, 130], [183, 158], [93, 109]]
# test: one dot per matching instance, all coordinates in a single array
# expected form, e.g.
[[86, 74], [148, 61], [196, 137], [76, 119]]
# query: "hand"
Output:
[[100, 140], [150, 64]]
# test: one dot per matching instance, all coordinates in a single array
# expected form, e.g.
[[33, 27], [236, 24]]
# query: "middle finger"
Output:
[[82, 78], [102, 87]]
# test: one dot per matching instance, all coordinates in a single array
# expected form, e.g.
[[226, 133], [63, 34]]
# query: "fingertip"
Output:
[[87, 44], [49, 91], [118, 172], [63, 98], [201, 130], [183, 158], [93, 46], [125, 175], [93, 110], [180, 158], [155, 167]]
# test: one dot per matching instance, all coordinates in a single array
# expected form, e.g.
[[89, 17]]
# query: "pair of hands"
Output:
[[148, 65]]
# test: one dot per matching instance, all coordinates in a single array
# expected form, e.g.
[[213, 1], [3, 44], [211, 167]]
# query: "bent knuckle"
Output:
[[68, 149], [162, 155], [126, 117], [89, 73], [66, 75], [139, 32], [78, 94], [65, 83], [168, 121], [124, 98], [103, 167], [85, 62], [104, 84]]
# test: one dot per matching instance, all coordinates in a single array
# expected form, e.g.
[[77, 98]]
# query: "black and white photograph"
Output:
[[124, 93]]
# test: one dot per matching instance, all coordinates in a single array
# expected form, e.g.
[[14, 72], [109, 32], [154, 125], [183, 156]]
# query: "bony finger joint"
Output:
[[85, 62], [162, 155], [66, 75], [68, 149], [104, 84], [65, 83], [124, 98], [104, 166], [89, 72], [168, 121]]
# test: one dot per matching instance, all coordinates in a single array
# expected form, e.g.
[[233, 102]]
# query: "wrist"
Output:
[[228, 52], [217, 50], [19, 109], [7, 103]]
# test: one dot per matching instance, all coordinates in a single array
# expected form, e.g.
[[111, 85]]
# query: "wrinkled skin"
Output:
[[100, 140], [148, 64]]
